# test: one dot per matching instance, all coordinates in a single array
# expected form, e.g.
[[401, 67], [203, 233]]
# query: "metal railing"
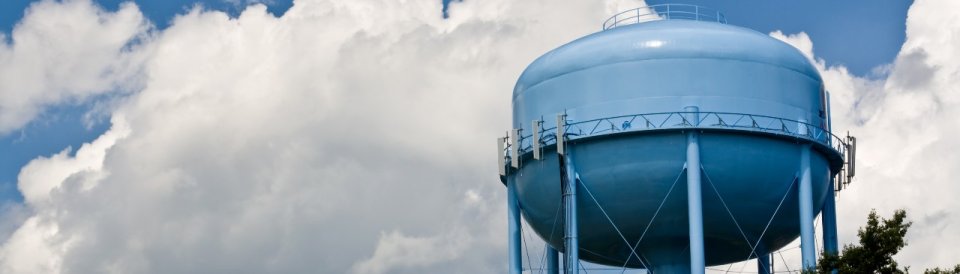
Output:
[[680, 120], [664, 12], [516, 144]]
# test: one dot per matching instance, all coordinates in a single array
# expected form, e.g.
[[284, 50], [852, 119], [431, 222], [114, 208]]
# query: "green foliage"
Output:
[[955, 270], [880, 239]]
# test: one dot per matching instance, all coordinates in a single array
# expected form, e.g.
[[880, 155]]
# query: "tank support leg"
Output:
[[830, 244], [572, 256], [552, 261], [807, 247], [513, 229], [694, 202], [763, 264]]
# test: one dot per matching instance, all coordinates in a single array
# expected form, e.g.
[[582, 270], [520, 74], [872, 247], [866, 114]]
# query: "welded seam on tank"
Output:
[[612, 223], [548, 78]]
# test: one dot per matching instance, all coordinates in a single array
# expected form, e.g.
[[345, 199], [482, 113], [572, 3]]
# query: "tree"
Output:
[[880, 239], [955, 270]]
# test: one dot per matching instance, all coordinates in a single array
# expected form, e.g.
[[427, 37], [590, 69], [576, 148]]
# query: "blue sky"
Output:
[[855, 34], [160, 12]]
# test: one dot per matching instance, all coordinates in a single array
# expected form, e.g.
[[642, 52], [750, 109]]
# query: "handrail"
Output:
[[664, 12], [680, 120]]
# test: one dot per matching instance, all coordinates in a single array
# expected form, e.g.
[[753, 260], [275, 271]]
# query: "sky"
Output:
[[68, 125], [342, 136]]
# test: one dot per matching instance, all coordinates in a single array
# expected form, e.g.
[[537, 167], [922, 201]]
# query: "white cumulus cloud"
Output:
[[906, 125], [344, 136], [62, 53]]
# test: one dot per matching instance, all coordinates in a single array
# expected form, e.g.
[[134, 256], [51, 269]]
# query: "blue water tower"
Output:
[[672, 145]]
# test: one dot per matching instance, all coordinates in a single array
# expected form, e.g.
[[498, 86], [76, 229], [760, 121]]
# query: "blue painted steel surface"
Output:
[[572, 250], [807, 246], [513, 229], [661, 67], [553, 261], [763, 264], [829, 217], [694, 197]]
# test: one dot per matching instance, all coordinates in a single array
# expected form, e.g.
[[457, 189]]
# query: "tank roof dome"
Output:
[[665, 39]]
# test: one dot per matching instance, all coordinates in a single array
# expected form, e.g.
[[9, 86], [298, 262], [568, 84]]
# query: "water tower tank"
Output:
[[629, 97]]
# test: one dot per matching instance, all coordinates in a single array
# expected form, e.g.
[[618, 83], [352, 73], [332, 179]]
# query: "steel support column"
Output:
[[553, 261], [513, 229], [807, 247], [830, 243], [572, 247], [763, 264], [694, 197]]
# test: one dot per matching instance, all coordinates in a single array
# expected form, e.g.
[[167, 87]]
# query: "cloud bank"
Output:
[[342, 137], [357, 136], [906, 121]]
